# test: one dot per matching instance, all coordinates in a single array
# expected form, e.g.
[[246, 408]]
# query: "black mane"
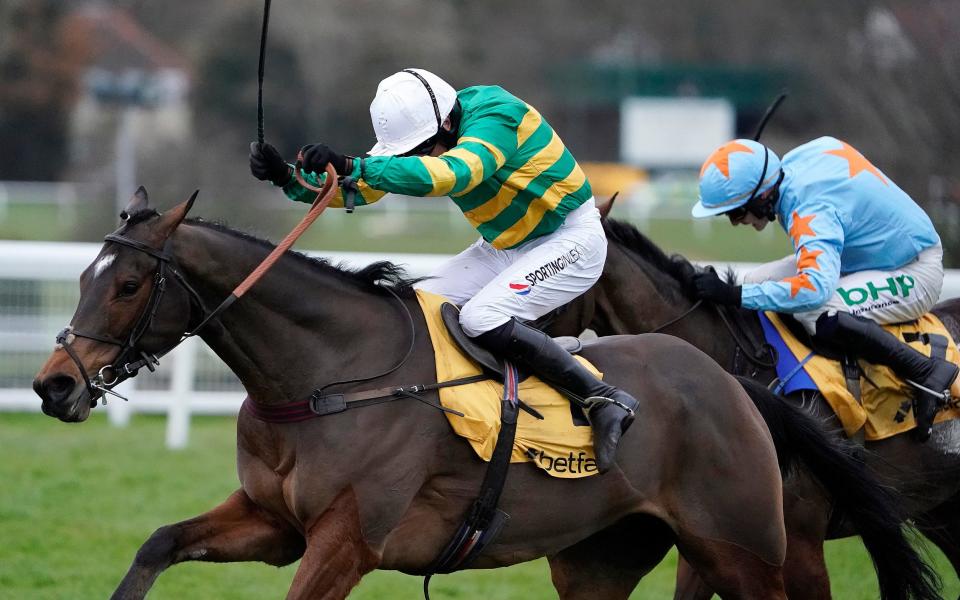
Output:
[[630, 237], [375, 276]]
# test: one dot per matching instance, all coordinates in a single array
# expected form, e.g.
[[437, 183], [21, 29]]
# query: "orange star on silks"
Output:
[[721, 157], [800, 226], [799, 282], [808, 259], [857, 162]]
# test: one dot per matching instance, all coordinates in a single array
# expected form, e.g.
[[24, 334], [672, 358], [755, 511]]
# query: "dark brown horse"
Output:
[[385, 486], [642, 289]]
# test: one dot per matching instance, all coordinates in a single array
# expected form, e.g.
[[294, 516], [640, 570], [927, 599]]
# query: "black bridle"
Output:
[[756, 351], [131, 358]]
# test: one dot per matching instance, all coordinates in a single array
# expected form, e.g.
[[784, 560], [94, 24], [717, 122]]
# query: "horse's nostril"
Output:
[[59, 387]]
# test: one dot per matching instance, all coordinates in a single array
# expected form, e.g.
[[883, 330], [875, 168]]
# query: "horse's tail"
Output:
[[872, 508]]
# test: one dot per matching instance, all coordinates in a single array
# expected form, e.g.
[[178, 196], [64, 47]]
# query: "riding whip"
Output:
[[260, 70], [766, 117], [325, 193]]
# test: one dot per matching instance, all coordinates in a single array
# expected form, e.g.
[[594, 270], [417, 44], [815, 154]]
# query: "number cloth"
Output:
[[886, 409]]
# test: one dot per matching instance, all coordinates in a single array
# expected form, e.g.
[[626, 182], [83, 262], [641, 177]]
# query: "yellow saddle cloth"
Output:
[[556, 444], [886, 409]]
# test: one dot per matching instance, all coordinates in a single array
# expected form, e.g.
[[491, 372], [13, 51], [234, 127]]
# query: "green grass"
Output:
[[33, 222], [76, 501]]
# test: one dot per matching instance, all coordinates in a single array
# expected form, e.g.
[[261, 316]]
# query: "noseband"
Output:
[[131, 358]]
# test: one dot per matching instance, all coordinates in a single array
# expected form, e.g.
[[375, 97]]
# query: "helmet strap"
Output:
[[445, 137], [764, 207]]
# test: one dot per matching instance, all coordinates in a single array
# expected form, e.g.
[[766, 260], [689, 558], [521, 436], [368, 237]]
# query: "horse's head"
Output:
[[120, 321]]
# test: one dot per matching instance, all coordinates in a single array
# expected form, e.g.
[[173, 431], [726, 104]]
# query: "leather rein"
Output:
[[130, 359], [760, 354]]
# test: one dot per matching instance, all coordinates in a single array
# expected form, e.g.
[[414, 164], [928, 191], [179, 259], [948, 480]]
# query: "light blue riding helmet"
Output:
[[735, 172]]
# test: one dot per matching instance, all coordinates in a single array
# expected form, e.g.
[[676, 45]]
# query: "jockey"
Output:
[[865, 253], [541, 243]]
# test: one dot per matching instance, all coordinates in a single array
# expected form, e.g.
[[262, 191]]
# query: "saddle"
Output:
[[484, 520], [871, 401], [490, 363]]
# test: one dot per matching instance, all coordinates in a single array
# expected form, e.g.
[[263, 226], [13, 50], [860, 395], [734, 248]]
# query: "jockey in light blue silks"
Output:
[[865, 253]]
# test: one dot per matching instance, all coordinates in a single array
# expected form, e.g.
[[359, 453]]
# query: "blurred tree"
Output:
[[39, 70], [881, 74], [227, 93]]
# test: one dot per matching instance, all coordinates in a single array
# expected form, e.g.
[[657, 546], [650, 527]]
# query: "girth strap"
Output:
[[484, 520]]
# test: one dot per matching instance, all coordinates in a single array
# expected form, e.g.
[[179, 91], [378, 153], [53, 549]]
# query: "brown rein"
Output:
[[324, 196], [99, 386]]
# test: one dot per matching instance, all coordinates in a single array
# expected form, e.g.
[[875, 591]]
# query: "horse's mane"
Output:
[[374, 277], [631, 238]]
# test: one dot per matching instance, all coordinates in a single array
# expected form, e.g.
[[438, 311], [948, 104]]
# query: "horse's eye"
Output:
[[128, 288]]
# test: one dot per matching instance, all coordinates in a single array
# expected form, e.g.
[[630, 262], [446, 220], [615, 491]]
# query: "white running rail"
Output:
[[38, 294]]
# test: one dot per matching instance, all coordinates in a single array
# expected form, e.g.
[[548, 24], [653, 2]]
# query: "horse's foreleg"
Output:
[[337, 555], [237, 530]]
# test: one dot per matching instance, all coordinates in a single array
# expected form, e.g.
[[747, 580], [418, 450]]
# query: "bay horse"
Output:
[[384, 487], [643, 290]]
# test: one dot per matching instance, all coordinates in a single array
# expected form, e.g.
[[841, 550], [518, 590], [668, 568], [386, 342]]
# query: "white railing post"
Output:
[[4, 200], [118, 411], [181, 391]]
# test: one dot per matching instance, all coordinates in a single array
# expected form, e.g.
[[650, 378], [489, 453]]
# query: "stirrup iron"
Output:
[[594, 401], [943, 398]]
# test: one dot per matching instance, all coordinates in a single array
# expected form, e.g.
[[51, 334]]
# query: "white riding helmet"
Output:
[[408, 109]]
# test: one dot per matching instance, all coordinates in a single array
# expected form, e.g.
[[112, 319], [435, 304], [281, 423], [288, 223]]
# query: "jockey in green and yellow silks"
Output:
[[509, 172], [541, 242], [864, 252]]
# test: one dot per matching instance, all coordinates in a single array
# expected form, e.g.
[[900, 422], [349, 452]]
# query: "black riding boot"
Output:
[[609, 410], [868, 340]]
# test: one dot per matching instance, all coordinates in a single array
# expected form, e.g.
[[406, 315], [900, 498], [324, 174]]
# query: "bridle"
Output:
[[759, 353], [131, 358]]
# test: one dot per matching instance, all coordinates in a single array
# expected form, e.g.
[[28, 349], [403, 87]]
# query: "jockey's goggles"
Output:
[[423, 148], [737, 214]]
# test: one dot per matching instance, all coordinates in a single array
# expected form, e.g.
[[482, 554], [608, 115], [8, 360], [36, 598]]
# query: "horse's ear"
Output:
[[606, 208], [173, 217], [137, 203]]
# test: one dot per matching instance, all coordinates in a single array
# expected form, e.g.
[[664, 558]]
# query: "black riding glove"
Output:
[[707, 285], [266, 164], [316, 157]]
